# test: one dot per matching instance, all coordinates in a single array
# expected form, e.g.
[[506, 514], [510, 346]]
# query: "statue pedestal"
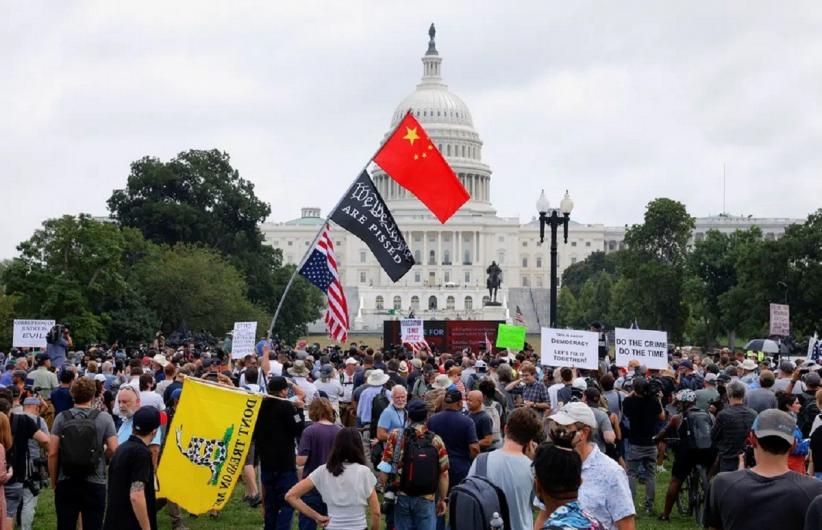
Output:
[[493, 304], [493, 312]]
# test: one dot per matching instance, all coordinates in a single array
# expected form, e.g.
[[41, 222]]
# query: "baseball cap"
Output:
[[580, 383], [277, 383], [452, 395], [42, 357], [100, 377], [711, 378], [774, 422], [417, 410], [481, 366], [812, 379], [687, 364], [176, 393], [723, 378], [145, 420], [351, 360], [575, 412], [327, 370]]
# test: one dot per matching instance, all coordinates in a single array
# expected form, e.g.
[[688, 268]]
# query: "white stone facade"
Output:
[[448, 280]]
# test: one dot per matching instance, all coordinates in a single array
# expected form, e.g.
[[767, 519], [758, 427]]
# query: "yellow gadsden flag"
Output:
[[206, 445]]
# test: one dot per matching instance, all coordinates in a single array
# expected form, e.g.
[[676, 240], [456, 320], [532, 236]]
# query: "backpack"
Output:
[[420, 464], [80, 449], [698, 424], [496, 423], [378, 404], [473, 501]]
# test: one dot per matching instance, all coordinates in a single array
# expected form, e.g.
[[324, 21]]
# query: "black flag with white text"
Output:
[[363, 212]]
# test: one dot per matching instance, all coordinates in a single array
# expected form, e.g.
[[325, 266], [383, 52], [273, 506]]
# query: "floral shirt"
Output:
[[391, 458], [571, 517]]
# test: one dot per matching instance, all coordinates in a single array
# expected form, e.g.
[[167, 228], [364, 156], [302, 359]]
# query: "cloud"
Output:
[[617, 103]]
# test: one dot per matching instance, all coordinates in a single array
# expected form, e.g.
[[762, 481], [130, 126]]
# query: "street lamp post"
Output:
[[554, 221]]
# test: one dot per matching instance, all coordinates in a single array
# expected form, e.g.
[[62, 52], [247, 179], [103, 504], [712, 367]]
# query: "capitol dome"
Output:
[[448, 122]]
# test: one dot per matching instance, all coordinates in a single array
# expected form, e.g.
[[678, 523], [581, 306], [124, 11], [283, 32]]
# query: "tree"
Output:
[[578, 273], [193, 288], [75, 270], [654, 266], [199, 198], [712, 268], [567, 310]]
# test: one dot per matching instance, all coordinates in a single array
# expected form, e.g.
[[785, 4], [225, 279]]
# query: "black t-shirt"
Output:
[[131, 463], [643, 415], [23, 428], [816, 449], [742, 500], [278, 425], [484, 425], [813, 519]]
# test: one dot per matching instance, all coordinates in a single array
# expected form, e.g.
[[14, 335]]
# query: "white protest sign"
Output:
[[780, 320], [31, 333], [650, 348], [411, 330], [243, 339], [569, 347]]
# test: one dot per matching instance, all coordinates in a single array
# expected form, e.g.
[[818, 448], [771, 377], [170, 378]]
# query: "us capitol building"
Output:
[[448, 280]]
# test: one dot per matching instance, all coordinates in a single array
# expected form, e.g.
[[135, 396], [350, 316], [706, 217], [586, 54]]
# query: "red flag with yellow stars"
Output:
[[412, 159]]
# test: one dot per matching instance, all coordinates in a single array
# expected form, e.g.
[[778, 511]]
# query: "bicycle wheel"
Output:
[[683, 500], [699, 492]]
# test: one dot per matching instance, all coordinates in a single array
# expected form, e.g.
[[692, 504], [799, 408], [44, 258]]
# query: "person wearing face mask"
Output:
[[604, 492]]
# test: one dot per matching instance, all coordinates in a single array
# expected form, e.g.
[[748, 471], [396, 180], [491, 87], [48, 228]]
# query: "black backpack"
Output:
[[473, 502], [54, 333], [378, 404], [698, 424], [80, 448], [420, 464]]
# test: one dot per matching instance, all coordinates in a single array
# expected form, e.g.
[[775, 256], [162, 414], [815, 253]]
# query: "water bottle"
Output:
[[497, 522]]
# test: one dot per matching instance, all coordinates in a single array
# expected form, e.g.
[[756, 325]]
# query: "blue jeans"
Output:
[[278, 513], [315, 501], [414, 513], [641, 461]]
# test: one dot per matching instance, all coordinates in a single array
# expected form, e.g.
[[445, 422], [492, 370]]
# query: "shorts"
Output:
[[251, 457], [14, 496], [686, 460]]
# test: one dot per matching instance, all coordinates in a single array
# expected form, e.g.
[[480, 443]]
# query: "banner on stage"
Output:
[[411, 330], [31, 333], [244, 339], [570, 347], [648, 347], [512, 337]]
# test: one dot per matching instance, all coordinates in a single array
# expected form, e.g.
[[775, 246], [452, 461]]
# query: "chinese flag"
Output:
[[412, 159]]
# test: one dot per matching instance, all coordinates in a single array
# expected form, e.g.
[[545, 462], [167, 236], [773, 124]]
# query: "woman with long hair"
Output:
[[316, 443], [346, 485], [5, 474], [796, 458]]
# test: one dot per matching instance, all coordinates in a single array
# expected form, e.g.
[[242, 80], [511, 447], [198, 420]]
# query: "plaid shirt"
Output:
[[389, 458], [535, 392]]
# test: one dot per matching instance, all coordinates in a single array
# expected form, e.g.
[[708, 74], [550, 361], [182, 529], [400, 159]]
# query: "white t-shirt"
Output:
[[346, 495], [150, 398], [332, 387]]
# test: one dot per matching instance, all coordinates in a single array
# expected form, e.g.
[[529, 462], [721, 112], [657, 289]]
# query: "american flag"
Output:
[[416, 347], [815, 349], [321, 269], [519, 318], [489, 348]]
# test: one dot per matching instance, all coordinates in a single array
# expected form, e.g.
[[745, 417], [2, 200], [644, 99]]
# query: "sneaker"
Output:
[[664, 518], [253, 500]]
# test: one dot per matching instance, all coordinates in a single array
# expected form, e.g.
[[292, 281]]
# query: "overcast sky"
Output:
[[620, 102]]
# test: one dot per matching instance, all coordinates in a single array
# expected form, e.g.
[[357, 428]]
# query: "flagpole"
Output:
[[327, 219]]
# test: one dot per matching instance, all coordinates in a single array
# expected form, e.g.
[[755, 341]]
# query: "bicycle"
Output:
[[693, 494]]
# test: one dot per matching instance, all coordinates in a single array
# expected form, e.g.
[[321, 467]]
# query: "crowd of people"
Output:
[[358, 437]]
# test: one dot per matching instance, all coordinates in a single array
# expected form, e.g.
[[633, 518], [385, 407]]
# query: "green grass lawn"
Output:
[[238, 516]]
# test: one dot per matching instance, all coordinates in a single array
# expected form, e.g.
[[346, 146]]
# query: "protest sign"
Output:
[[243, 339], [512, 337], [411, 331], [31, 333], [569, 347], [780, 320], [650, 348]]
